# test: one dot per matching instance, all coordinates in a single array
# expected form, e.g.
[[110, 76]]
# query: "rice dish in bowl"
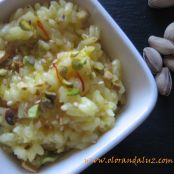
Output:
[[58, 89]]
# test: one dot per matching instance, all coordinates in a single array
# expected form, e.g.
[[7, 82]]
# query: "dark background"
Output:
[[155, 137]]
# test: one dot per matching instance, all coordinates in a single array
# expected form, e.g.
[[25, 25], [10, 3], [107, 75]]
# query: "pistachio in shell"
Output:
[[164, 82], [160, 3], [169, 32], [153, 59], [169, 62], [162, 45]]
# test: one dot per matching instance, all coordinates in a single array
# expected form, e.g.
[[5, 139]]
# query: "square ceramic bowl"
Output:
[[139, 82]]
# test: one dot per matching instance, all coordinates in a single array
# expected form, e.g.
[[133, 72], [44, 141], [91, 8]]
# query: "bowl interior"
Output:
[[140, 88]]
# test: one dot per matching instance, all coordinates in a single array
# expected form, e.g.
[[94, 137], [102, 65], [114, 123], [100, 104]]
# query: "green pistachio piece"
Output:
[[25, 25], [73, 92], [48, 159], [77, 64], [33, 112], [28, 60], [41, 160]]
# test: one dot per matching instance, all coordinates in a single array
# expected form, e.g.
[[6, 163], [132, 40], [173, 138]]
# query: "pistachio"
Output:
[[164, 82], [25, 25], [48, 159], [169, 62], [169, 32], [41, 160], [33, 112], [153, 59], [160, 3], [28, 60], [162, 45], [73, 92], [78, 64]]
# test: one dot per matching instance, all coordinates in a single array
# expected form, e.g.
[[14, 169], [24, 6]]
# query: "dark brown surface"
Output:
[[155, 137]]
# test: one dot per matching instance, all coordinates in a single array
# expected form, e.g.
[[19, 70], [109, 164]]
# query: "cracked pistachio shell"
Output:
[[162, 45], [160, 3], [164, 82], [169, 62], [169, 32], [153, 59]]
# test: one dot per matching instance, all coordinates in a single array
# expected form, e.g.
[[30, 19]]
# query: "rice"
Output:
[[58, 88]]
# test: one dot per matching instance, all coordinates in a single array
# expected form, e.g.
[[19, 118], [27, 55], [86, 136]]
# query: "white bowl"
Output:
[[139, 82]]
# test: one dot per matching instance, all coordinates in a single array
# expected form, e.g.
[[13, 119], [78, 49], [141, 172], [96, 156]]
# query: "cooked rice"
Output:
[[53, 48]]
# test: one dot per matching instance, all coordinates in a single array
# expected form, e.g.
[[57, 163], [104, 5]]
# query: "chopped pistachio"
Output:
[[25, 25], [78, 64], [3, 72], [40, 160], [33, 112], [73, 92], [48, 159], [28, 60]]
